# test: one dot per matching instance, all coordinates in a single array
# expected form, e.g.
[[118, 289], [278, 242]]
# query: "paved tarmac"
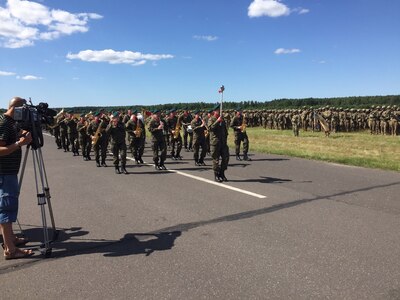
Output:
[[286, 228]]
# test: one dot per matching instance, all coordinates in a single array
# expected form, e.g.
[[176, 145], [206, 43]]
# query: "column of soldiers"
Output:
[[203, 132]]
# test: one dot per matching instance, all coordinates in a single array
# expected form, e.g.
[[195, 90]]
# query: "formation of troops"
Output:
[[384, 120], [203, 133]]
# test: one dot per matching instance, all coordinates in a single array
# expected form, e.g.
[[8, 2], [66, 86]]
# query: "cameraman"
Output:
[[11, 142]]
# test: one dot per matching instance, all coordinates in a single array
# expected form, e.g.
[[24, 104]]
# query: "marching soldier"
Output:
[[96, 130], [159, 147], [63, 133], [238, 125], [83, 137], [219, 146], [136, 136], [296, 122], [185, 119], [174, 127], [199, 139], [70, 121], [116, 131]]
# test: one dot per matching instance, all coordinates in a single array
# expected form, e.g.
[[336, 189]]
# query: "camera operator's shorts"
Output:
[[9, 192]]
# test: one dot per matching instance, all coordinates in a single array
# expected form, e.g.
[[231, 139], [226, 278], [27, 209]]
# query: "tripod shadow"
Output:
[[70, 243]]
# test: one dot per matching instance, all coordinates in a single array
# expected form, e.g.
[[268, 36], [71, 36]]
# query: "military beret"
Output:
[[156, 111], [216, 107], [210, 110], [134, 112], [172, 110], [115, 114], [97, 114], [196, 112], [82, 115], [238, 109]]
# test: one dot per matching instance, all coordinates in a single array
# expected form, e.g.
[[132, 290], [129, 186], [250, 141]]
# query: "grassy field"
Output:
[[357, 149]]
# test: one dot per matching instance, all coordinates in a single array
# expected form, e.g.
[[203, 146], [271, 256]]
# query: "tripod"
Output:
[[43, 195]]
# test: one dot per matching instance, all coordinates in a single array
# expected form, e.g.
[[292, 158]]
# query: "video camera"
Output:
[[31, 118]]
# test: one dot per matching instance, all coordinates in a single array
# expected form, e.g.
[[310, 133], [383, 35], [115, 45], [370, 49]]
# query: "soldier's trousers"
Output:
[[176, 143], [220, 151], [118, 149], [64, 140], [100, 149], [185, 139], [295, 130], [86, 145], [57, 137], [136, 145], [197, 143], [239, 138], [159, 151], [73, 140]]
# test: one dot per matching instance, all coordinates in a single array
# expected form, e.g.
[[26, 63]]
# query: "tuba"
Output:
[[97, 135]]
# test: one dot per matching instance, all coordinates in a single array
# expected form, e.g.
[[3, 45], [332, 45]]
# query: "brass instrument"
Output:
[[244, 124], [138, 131], [177, 129], [97, 135]]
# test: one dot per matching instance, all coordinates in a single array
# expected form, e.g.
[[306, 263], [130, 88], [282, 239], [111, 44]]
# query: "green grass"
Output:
[[356, 149]]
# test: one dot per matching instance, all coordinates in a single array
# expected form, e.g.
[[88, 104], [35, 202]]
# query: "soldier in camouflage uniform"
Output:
[[296, 123], [84, 139], [63, 133], [116, 131], [185, 119], [199, 139], [159, 147], [70, 121], [238, 125], [136, 137], [100, 142], [219, 146], [174, 127]]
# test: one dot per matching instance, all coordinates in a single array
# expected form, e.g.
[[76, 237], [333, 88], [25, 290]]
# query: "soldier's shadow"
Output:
[[69, 243], [262, 179]]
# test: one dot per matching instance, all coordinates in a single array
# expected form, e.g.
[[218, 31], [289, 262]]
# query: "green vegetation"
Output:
[[356, 149], [345, 102]]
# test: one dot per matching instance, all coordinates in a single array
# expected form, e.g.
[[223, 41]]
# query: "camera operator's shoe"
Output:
[[125, 171], [238, 157], [117, 171]]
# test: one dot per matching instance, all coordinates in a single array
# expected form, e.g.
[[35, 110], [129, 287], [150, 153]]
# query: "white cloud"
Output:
[[4, 73], [29, 77], [286, 51], [117, 57], [24, 22], [272, 8], [208, 38]]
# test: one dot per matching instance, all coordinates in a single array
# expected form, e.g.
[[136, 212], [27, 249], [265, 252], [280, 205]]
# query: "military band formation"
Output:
[[203, 133]]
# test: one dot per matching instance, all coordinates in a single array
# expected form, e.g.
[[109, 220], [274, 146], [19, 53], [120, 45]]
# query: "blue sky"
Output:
[[131, 52]]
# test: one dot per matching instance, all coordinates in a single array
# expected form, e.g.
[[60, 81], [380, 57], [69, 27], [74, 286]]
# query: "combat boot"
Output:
[[245, 157], [216, 177], [124, 170], [98, 164], [222, 176], [238, 157], [117, 171]]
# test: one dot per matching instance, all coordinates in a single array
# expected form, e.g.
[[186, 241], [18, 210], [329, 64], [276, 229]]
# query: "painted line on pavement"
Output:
[[232, 188]]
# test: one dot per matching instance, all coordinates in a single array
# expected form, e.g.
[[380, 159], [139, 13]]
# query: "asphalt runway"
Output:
[[281, 228]]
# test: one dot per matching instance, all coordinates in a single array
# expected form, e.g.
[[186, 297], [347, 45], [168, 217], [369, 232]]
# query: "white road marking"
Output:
[[222, 185]]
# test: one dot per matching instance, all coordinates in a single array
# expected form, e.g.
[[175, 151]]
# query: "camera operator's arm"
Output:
[[25, 139]]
